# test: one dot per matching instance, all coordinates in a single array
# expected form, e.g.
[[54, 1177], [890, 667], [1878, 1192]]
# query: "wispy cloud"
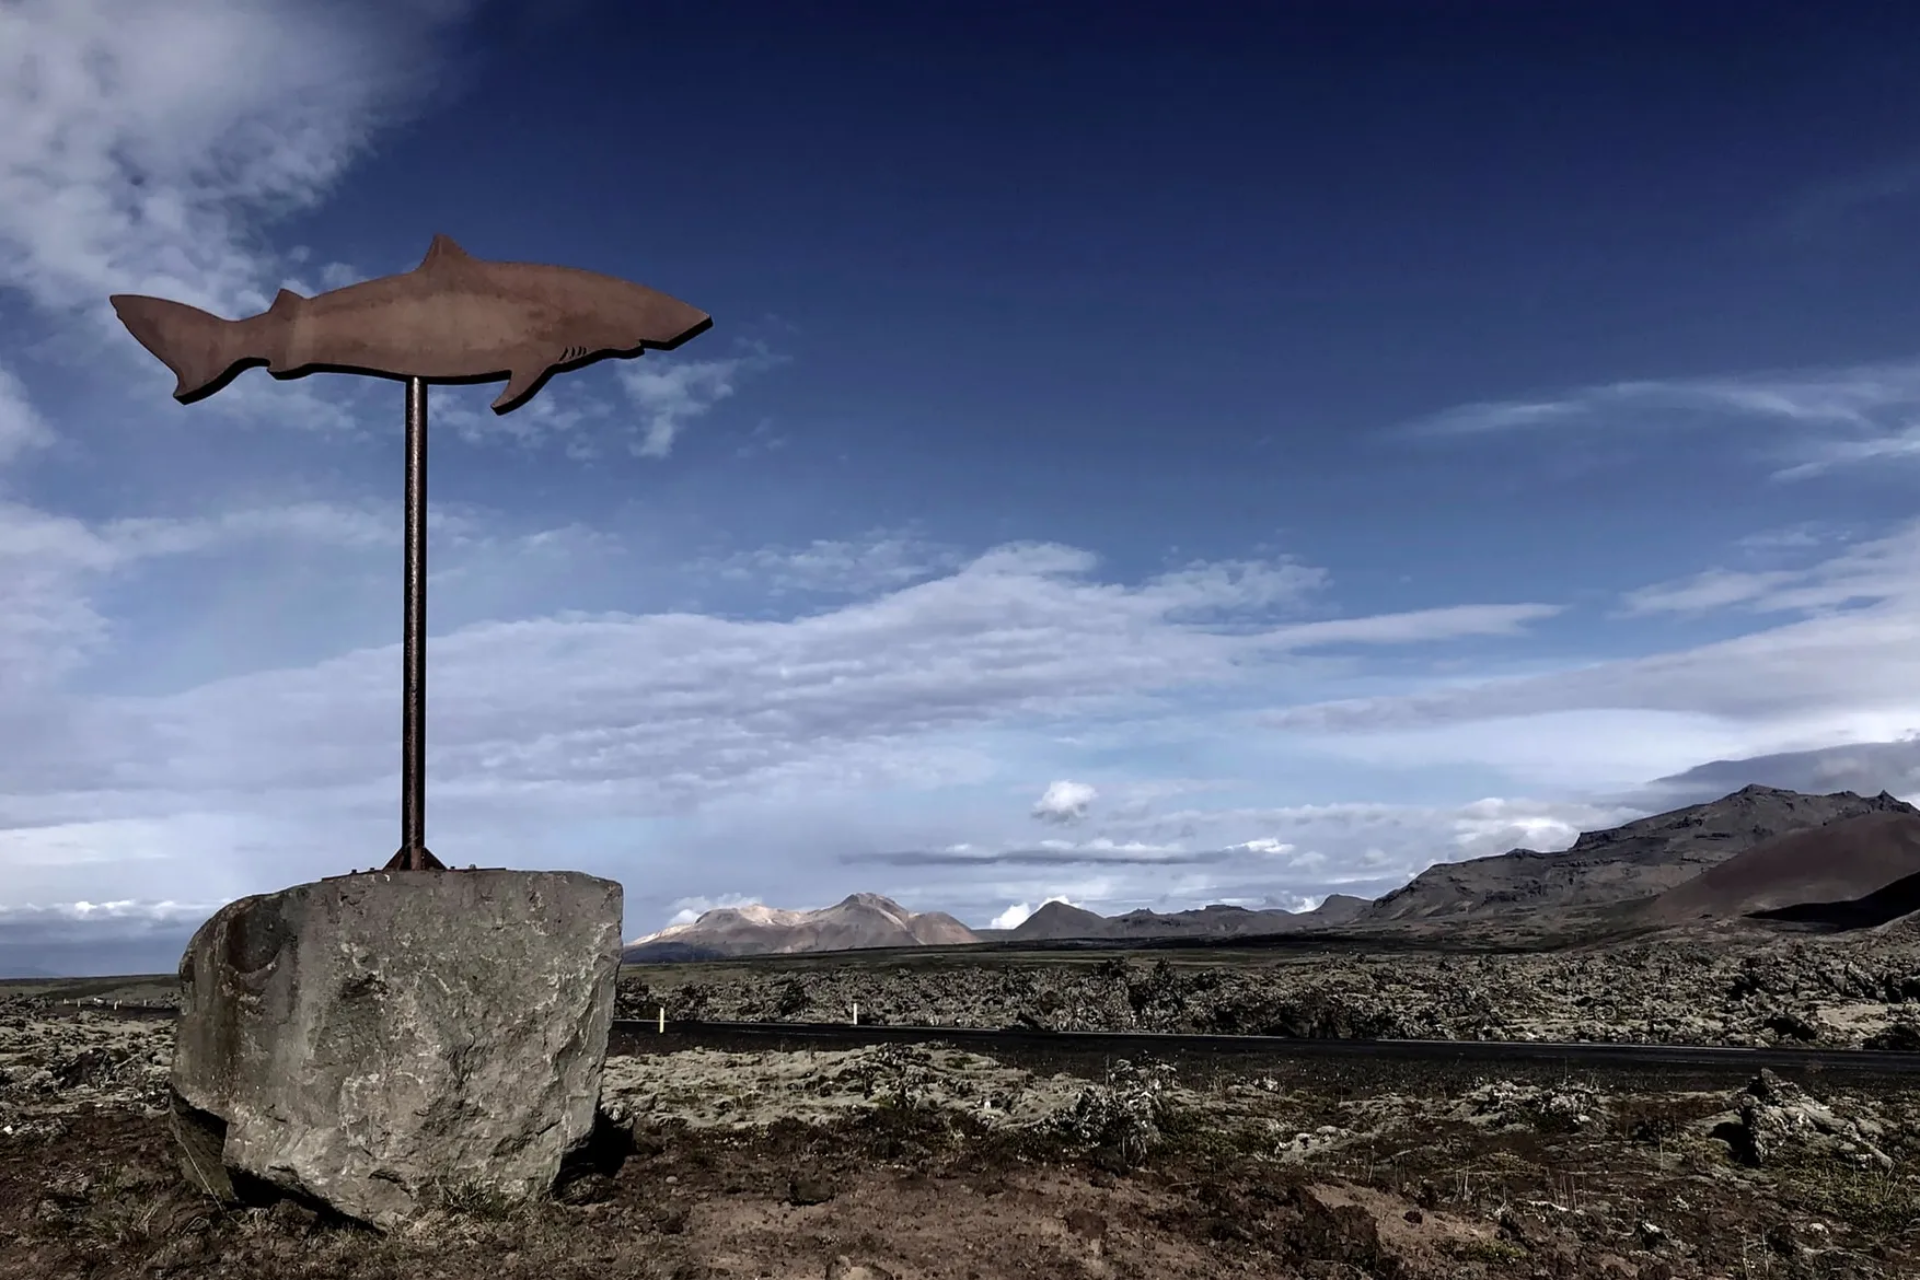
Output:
[[51, 565], [1707, 591], [1794, 537], [671, 389], [1835, 204], [1874, 570], [1099, 851], [1417, 627], [1849, 665], [21, 426], [143, 141], [147, 146], [880, 560], [1829, 417]]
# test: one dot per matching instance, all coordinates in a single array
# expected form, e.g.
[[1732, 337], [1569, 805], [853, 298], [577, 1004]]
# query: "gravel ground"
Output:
[[911, 1161]]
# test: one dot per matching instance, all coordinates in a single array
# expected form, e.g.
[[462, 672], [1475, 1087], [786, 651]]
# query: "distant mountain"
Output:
[[1859, 871], [1338, 909], [1638, 860], [1057, 921], [859, 921]]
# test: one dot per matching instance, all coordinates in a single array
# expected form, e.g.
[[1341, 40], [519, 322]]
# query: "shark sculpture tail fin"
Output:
[[200, 348]]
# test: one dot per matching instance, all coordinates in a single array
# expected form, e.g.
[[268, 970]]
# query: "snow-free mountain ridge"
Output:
[[1843, 859]]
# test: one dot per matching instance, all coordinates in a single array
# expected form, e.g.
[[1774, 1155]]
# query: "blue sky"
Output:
[[1197, 453]]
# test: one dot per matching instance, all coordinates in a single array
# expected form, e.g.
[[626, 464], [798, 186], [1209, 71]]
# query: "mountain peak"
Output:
[[858, 921]]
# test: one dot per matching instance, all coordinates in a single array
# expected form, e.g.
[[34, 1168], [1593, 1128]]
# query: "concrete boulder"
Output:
[[385, 1041]]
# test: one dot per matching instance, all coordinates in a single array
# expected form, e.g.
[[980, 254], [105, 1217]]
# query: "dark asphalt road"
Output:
[[1081, 1050], [1244, 1054]]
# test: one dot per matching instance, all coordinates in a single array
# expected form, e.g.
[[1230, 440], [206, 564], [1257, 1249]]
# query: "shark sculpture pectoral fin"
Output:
[[520, 385]]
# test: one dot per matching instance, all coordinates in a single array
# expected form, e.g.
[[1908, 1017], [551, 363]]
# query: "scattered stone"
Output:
[[292, 1217], [844, 1268], [808, 1190], [1086, 1224], [668, 1220], [589, 1188]]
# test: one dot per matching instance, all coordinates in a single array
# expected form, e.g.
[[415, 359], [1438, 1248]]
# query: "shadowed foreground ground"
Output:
[[925, 1161]]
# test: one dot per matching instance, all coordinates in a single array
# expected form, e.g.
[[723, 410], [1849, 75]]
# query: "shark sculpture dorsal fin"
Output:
[[443, 252]]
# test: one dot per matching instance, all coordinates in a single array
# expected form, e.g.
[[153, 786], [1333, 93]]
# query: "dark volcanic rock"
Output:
[[1637, 860], [373, 1041]]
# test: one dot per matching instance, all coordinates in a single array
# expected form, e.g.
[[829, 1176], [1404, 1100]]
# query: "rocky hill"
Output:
[[1638, 860], [1057, 921], [1840, 862], [866, 920], [860, 920]]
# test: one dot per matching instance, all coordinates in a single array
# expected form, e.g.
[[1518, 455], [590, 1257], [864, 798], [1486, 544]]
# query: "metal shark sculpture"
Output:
[[454, 318]]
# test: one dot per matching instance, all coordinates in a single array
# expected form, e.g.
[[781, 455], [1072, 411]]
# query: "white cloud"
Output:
[[670, 390], [1417, 627], [881, 560], [141, 139], [1857, 397], [1705, 592], [1794, 537], [1828, 418], [1335, 843], [21, 426], [599, 718], [1847, 668], [1064, 801], [50, 566], [1264, 845], [167, 912]]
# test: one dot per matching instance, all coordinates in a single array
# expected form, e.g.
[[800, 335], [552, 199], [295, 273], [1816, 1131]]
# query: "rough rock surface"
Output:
[[386, 1041], [1740, 989], [1777, 1122]]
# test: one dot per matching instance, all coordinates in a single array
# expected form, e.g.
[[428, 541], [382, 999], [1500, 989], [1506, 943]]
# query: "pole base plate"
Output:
[[414, 859]]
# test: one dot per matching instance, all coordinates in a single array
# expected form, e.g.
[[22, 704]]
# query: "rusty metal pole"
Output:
[[413, 854], [454, 318]]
